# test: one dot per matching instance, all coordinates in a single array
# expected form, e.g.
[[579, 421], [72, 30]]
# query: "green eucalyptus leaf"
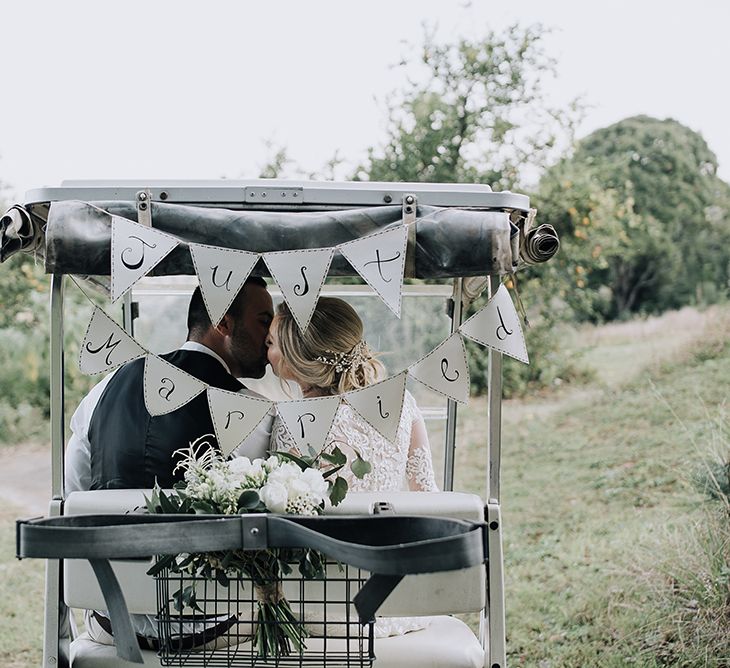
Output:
[[336, 457], [302, 462], [360, 468], [330, 472], [338, 490], [161, 564], [248, 500]]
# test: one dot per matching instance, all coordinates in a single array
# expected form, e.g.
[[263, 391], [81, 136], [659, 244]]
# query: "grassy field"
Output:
[[613, 557], [605, 537], [21, 600]]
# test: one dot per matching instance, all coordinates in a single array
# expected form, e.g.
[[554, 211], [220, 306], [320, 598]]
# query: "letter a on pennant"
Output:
[[300, 275], [221, 273], [106, 345], [381, 404], [234, 416], [497, 326], [167, 388], [136, 249], [308, 421], [445, 369], [380, 259]]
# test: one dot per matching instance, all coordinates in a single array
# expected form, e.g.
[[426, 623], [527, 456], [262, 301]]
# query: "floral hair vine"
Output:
[[343, 361]]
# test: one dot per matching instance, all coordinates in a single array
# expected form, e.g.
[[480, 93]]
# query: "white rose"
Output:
[[317, 484], [274, 496], [271, 463], [239, 465], [285, 472], [297, 487]]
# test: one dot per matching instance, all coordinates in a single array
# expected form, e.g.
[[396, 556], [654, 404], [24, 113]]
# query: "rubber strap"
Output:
[[388, 546]]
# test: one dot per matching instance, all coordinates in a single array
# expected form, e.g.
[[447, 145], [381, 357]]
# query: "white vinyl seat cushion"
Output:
[[446, 643]]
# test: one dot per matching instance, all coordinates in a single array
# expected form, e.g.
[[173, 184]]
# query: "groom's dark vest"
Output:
[[132, 449]]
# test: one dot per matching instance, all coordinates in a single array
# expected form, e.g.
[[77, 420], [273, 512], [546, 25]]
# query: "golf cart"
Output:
[[459, 241]]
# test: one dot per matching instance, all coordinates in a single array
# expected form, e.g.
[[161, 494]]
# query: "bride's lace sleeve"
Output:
[[280, 438], [419, 468]]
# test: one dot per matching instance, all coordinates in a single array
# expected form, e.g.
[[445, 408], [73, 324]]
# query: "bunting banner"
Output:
[[234, 416], [136, 250], [380, 259], [308, 421], [445, 369], [381, 404], [497, 326], [167, 388], [106, 345], [300, 275], [221, 274]]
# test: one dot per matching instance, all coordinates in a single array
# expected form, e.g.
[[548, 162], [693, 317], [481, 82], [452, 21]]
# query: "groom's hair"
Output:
[[199, 320]]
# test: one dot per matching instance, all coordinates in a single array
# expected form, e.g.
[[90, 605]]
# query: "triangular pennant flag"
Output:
[[300, 275], [136, 249], [308, 420], [234, 416], [497, 326], [221, 273], [106, 345], [380, 259], [166, 387], [445, 369], [381, 404]]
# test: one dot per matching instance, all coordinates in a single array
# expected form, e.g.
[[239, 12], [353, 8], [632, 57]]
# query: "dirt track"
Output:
[[25, 477]]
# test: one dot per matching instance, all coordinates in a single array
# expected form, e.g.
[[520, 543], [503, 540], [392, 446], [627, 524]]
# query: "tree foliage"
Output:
[[643, 217], [476, 114]]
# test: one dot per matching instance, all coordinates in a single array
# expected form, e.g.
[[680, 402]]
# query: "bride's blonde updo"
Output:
[[331, 354]]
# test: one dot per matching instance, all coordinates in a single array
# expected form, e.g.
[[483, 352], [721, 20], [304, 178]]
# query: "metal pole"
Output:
[[495, 566], [494, 413], [58, 419], [450, 439], [128, 314], [53, 616]]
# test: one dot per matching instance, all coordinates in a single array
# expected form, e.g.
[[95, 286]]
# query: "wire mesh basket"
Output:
[[223, 624]]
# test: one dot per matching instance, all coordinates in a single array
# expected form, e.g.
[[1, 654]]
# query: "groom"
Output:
[[116, 443]]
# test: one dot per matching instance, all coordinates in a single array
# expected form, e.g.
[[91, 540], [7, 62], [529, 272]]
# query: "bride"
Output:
[[329, 358]]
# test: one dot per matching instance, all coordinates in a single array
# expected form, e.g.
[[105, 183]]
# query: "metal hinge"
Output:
[[144, 207]]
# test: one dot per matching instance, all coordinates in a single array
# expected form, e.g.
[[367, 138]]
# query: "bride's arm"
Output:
[[419, 468]]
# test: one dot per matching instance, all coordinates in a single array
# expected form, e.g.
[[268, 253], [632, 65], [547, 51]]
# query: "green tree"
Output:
[[476, 113], [643, 219]]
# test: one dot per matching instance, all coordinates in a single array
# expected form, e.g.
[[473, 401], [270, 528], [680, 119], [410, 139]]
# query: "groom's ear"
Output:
[[225, 326]]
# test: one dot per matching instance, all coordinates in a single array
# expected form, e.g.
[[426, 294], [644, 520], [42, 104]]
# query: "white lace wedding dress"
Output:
[[402, 465]]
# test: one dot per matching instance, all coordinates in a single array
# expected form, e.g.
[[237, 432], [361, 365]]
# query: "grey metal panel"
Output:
[[238, 194]]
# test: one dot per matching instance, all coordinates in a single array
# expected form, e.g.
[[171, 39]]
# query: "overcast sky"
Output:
[[178, 89]]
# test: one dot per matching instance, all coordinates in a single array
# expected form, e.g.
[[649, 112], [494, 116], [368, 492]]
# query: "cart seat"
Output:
[[445, 642]]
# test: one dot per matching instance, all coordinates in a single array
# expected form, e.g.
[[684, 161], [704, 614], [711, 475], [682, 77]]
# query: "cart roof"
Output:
[[459, 230]]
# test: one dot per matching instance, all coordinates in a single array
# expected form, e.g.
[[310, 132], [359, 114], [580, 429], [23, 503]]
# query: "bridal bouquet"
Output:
[[282, 483]]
